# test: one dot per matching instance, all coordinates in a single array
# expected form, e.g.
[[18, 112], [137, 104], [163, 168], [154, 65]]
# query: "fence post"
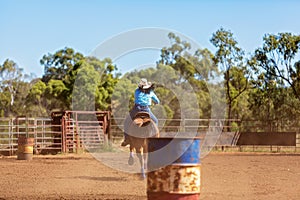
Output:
[[11, 137], [63, 135], [297, 139]]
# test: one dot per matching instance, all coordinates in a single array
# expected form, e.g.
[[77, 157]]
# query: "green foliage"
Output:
[[265, 86], [77, 82], [234, 126], [13, 88], [276, 77], [59, 65], [230, 58], [190, 71], [274, 61], [85, 92]]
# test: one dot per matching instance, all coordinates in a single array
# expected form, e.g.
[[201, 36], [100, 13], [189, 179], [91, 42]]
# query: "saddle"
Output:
[[142, 119], [143, 126]]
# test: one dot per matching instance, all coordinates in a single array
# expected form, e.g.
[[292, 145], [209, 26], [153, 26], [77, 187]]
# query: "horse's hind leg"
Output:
[[145, 156], [144, 166], [131, 159], [142, 162]]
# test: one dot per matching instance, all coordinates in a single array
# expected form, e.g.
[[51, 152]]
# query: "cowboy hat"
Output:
[[144, 84]]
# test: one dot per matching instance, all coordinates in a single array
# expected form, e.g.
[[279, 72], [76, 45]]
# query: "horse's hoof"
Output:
[[130, 161], [143, 176]]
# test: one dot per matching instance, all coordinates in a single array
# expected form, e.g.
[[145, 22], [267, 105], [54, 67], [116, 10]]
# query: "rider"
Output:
[[143, 97]]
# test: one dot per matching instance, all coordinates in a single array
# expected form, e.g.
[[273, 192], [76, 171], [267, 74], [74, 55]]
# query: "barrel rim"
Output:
[[186, 164], [176, 137]]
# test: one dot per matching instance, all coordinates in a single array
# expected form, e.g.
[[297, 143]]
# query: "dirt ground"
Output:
[[224, 176]]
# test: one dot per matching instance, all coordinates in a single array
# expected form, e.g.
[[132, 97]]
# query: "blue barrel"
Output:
[[174, 168]]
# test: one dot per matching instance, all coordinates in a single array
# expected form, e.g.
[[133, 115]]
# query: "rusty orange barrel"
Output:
[[25, 148], [174, 169]]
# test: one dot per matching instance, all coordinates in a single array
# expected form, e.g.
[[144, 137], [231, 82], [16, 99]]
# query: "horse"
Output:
[[141, 128]]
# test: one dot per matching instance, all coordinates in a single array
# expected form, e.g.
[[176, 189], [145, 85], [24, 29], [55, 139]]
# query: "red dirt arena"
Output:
[[232, 176]]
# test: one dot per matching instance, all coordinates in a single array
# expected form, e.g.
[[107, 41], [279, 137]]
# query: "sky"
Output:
[[33, 28]]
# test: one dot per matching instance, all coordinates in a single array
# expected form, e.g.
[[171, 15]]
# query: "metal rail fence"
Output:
[[231, 131], [68, 131], [176, 125], [73, 131], [227, 125], [38, 128]]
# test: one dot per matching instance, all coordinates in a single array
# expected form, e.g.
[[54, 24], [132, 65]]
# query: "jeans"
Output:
[[133, 112]]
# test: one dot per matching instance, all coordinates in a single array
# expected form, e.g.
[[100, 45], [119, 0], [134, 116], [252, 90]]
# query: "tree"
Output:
[[195, 73], [230, 57], [190, 65], [12, 85], [59, 65], [35, 100], [276, 78], [66, 69], [10, 75], [107, 80], [275, 60]]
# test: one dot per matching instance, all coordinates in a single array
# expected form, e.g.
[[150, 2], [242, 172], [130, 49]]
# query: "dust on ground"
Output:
[[231, 176]]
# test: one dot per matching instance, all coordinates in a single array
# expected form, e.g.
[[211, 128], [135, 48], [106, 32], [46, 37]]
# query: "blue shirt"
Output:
[[144, 99]]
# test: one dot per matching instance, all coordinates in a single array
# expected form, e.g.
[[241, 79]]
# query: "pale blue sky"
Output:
[[32, 28]]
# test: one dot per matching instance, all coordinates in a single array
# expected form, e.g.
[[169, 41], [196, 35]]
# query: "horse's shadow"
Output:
[[105, 178]]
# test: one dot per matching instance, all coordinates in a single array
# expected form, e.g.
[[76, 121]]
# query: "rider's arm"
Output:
[[154, 97]]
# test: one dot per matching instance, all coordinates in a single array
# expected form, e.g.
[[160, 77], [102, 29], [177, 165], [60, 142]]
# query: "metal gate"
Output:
[[85, 130]]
